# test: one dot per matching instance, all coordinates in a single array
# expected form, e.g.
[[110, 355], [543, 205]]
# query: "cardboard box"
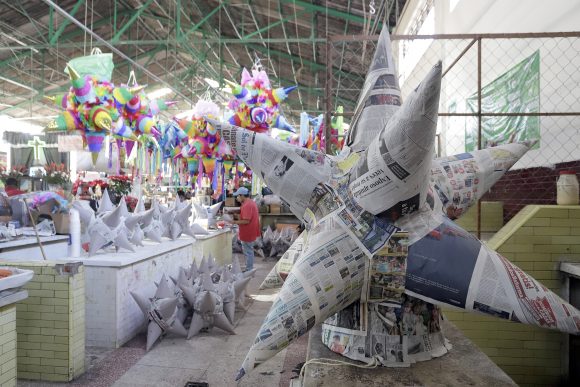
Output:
[[274, 208], [61, 223], [231, 202], [282, 226]]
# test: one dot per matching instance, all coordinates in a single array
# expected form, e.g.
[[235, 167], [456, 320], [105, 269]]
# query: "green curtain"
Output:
[[516, 91]]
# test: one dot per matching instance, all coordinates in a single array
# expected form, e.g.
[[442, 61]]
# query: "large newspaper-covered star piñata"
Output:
[[380, 230]]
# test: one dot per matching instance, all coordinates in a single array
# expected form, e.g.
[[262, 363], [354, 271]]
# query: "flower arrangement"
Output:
[[16, 172], [120, 185], [97, 182], [131, 203], [56, 174], [86, 185]]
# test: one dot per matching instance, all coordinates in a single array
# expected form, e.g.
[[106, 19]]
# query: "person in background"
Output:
[[249, 222], [231, 187], [11, 187], [181, 195]]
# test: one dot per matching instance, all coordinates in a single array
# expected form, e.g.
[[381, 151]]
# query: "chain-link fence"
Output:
[[496, 88]]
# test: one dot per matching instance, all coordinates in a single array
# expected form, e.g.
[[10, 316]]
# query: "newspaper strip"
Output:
[[396, 165], [462, 179], [323, 203], [450, 266], [345, 332], [396, 336], [379, 98], [342, 166], [370, 232], [387, 272], [351, 344]]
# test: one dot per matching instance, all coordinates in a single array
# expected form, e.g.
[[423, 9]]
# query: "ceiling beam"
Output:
[[20, 9], [65, 22], [328, 11], [205, 19], [313, 65], [166, 42], [132, 20], [272, 25]]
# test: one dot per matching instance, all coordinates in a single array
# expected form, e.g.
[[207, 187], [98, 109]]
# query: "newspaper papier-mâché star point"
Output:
[[385, 180]]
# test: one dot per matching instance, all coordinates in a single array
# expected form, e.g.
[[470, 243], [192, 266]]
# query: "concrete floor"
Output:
[[213, 357]]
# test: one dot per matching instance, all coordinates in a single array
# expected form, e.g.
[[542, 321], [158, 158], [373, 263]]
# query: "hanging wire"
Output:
[[92, 20], [257, 63], [85, 35]]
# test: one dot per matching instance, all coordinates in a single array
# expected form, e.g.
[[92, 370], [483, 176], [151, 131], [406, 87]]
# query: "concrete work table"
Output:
[[112, 316], [27, 249], [464, 365]]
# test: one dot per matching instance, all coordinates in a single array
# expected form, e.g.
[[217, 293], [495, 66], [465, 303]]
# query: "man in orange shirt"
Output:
[[249, 222]]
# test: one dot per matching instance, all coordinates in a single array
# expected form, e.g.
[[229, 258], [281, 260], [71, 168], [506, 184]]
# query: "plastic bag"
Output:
[[97, 64]]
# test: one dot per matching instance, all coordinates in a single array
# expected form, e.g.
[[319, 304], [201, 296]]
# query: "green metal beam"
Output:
[[34, 23], [178, 21], [186, 44], [328, 11], [166, 42], [205, 18], [313, 65], [65, 22], [50, 23], [148, 54], [131, 20], [272, 25], [108, 21]]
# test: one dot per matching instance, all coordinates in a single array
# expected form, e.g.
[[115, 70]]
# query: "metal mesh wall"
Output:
[[537, 74]]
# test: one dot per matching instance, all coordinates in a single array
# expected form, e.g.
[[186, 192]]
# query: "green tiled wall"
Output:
[[491, 217], [51, 324], [8, 346]]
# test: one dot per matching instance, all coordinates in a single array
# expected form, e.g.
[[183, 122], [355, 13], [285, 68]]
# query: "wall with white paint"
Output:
[[559, 79]]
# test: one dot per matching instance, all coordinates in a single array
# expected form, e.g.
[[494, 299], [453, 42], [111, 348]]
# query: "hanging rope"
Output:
[[132, 81], [374, 362], [85, 35]]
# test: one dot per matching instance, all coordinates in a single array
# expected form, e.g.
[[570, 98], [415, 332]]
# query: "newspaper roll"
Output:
[[392, 176], [379, 99], [449, 266], [280, 271], [328, 277], [292, 173], [461, 180]]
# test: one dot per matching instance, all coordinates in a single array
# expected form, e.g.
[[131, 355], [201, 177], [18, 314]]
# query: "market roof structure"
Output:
[[185, 45]]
